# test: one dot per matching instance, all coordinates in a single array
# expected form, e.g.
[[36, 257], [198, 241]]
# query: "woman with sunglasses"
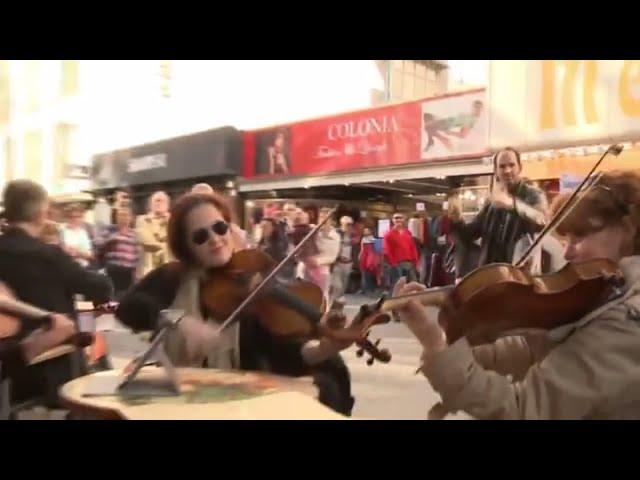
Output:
[[589, 369], [200, 237]]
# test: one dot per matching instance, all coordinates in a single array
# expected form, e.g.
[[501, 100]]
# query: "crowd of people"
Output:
[[584, 369], [328, 260]]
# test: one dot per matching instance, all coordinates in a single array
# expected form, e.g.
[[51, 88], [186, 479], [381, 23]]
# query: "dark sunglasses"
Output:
[[200, 236]]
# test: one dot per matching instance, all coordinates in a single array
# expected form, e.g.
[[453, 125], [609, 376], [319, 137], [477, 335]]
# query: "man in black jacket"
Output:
[[44, 276]]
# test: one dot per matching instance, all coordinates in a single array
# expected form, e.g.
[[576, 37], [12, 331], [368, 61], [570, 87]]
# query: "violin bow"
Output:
[[571, 203], [233, 317]]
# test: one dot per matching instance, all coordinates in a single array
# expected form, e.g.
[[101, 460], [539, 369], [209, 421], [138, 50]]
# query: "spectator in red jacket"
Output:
[[400, 251]]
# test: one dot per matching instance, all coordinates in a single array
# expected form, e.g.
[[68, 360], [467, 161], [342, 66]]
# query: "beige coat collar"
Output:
[[630, 267]]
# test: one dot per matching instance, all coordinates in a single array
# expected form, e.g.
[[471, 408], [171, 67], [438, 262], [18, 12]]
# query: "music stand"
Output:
[[130, 385]]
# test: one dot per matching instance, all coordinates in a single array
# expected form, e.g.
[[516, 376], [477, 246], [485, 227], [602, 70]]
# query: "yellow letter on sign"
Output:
[[550, 73], [548, 95], [629, 78]]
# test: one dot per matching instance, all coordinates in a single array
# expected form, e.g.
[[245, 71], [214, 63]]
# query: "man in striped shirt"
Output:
[[119, 249]]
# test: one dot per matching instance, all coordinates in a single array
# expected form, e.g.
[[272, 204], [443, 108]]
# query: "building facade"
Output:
[[406, 80], [56, 114]]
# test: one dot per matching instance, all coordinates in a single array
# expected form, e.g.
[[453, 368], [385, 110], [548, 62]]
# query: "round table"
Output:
[[207, 394]]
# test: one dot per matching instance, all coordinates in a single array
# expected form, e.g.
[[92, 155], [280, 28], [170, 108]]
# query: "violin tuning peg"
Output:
[[370, 361], [377, 343], [384, 356], [359, 352]]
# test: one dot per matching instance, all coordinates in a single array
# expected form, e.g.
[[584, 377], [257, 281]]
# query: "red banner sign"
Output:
[[391, 135]]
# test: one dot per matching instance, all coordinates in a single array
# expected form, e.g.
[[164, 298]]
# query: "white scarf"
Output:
[[225, 354]]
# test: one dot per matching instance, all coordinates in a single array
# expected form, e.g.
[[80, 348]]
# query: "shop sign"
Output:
[[204, 154], [148, 162], [558, 103], [451, 126]]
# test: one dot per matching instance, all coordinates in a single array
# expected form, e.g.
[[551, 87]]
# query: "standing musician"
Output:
[[200, 238], [589, 369], [515, 209]]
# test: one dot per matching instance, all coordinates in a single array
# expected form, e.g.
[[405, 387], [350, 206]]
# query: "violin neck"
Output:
[[431, 297]]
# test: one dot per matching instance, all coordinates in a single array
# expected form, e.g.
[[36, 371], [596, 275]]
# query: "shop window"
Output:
[[69, 79], [33, 155]]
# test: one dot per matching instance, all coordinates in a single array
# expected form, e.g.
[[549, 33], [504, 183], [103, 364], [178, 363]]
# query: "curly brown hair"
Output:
[[613, 201], [177, 228]]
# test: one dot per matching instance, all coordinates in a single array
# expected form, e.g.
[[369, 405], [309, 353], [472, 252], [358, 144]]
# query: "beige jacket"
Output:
[[587, 370], [152, 236]]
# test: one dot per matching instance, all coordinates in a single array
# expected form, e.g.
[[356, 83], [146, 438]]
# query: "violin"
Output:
[[501, 298], [291, 310], [15, 314]]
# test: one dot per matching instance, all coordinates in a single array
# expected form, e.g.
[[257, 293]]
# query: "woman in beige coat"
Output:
[[589, 369]]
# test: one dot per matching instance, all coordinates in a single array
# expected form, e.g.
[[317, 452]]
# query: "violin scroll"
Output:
[[365, 319]]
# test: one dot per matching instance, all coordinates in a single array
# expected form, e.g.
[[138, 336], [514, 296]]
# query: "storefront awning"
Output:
[[203, 154], [433, 170]]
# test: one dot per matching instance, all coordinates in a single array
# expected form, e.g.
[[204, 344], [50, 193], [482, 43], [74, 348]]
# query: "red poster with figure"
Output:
[[377, 137], [372, 138]]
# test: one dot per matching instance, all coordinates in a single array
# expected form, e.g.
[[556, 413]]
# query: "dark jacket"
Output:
[[45, 276], [11, 357], [277, 247], [259, 349], [499, 229]]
